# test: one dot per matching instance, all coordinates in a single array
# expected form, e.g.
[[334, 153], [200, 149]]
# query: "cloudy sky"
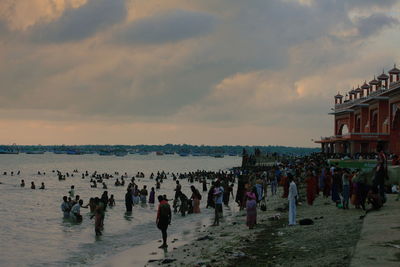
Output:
[[257, 72]]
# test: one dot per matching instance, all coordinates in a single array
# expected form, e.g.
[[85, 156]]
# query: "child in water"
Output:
[[111, 201]]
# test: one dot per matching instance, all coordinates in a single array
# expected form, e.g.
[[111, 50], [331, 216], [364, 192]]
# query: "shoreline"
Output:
[[330, 241]]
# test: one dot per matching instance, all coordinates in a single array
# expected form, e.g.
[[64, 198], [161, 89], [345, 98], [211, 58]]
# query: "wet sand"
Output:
[[330, 241]]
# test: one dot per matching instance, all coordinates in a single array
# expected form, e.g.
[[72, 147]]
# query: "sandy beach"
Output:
[[330, 241]]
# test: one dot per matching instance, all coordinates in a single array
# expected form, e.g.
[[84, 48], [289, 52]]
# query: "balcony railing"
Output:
[[350, 103]]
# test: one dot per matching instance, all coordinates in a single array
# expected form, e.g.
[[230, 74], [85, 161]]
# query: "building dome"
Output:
[[374, 82], [383, 76], [394, 70], [338, 95], [358, 90], [365, 85]]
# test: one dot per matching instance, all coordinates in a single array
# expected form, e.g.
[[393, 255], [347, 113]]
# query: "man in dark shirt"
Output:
[[163, 219]]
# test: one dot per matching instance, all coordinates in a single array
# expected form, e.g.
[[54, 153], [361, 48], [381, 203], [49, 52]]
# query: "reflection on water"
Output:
[[32, 231]]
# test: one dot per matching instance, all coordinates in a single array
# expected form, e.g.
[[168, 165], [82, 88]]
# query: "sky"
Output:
[[226, 72]]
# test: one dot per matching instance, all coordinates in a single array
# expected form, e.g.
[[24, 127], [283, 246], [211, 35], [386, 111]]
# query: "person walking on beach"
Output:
[[210, 196], [336, 186], [218, 199], [311, 187], [163, 219], [292, 196], [251, 209], [346, 188], [196, 197]]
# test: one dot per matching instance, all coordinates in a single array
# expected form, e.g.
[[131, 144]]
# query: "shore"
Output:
[[330, 241]]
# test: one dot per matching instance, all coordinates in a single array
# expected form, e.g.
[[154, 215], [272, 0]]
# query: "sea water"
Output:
[[33, 232]]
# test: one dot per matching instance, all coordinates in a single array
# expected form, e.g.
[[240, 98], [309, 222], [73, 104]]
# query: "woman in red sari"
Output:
[[285, 184], [311, 187], [251, 209], [196, 197]]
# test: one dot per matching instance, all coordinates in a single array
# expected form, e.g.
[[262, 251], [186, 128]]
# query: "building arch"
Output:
[[395, 133], [343, 129]]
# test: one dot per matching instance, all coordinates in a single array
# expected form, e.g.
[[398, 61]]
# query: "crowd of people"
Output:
[[314, 173]]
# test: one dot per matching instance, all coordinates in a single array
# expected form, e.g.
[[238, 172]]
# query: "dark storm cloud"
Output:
[[80, 23], [263, 35], [370, 25], [171, 26]]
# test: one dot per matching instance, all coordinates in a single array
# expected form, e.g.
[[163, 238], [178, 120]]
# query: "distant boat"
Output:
[[169, 153], [199, 154], [144, 153], [232, 154], [159, 153], [6, 151], [218, 155], [74, 152], [121, 153], [37, 152], [105, 153], [59, 152], [183, 154]]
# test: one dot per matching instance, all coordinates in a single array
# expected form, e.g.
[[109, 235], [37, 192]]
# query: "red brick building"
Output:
[[367, 117]]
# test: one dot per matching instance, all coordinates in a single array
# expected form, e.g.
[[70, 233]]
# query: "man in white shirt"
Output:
[[218, 198], [292, 200], [75, 212]]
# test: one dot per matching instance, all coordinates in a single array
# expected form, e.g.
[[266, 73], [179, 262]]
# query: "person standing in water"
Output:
[[72, 191], [111, 201], [98, 215], [22, 183], [42, 186], [163, 219], [33, 185], [75, 212], [152, 196], [143, 195], [196, 197], [65, 208], [128, 200]]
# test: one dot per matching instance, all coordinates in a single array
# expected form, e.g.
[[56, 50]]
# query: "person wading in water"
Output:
[[163, 219]]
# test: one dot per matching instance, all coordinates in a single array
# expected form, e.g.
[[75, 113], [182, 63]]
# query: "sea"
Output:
[[34, 233]]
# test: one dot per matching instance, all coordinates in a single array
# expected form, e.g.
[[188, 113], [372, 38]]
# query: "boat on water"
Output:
[[105, 153], [120, 153], [35, 152], [169, 153], [184, 154], [232, 154], [59, 152], [144, 153], [218, 155], [74, 152], [159, 153], [9, 152], [199, 154]]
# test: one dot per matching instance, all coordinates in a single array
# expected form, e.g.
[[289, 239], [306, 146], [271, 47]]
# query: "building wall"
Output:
[[383, 113]]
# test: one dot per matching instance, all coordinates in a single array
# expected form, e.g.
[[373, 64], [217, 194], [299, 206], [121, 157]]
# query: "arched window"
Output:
[[343, 129]]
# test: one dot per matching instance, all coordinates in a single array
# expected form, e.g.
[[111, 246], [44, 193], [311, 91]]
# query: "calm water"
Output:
[[32, 231]]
